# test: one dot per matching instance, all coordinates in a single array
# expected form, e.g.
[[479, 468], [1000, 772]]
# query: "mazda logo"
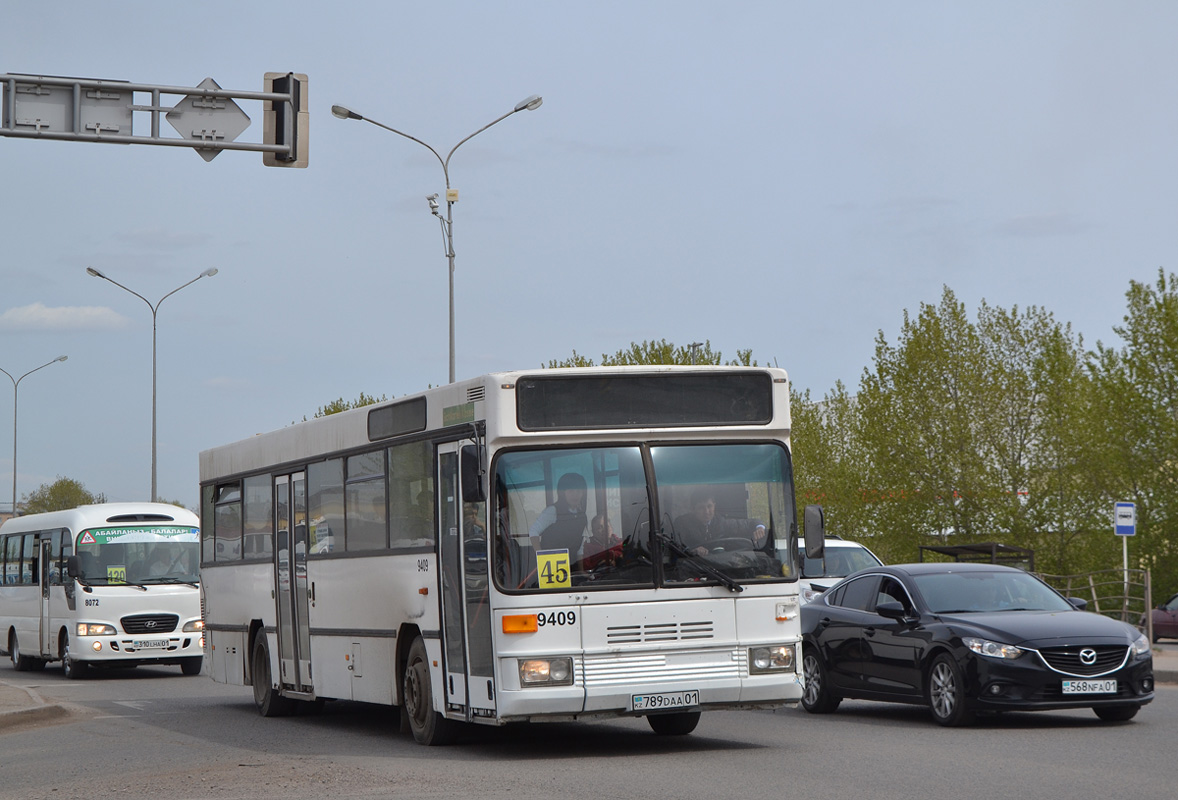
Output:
[[151, 624], [1088, 656]]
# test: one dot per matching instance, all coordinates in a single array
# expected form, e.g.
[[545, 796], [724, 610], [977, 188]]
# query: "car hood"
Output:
[[1043, 628]]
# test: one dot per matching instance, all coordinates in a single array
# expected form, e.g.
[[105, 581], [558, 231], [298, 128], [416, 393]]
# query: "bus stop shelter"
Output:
[[986, 552]]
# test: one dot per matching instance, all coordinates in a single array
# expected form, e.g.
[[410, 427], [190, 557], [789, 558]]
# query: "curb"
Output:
[[37, 710]]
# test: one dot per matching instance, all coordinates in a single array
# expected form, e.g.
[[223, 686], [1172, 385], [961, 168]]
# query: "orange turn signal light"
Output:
[[520, 623]]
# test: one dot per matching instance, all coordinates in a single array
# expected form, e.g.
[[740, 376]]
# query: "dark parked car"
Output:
[[964, 638], [1165, 620]]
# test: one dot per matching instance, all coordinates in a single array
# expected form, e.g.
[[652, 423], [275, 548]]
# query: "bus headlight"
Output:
[[95, 629], [546, 671], [771, 658], [194, 626]]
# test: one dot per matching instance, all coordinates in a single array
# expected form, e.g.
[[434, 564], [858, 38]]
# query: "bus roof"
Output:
[[88, 516]]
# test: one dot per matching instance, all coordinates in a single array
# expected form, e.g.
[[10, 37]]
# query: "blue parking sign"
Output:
[[1125, 519]]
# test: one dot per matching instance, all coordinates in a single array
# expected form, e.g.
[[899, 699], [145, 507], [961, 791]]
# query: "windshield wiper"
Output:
[[174, 580], [704, 566]]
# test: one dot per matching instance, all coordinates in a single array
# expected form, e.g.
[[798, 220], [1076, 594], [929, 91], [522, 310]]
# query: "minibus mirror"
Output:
[[814, 532], [471, 466], [71, 567]]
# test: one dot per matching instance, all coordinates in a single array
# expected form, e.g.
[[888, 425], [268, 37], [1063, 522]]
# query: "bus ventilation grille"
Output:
[[150, 623], [658, 632]]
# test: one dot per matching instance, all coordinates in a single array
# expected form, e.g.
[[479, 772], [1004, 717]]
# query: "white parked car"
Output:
[[841, 559]]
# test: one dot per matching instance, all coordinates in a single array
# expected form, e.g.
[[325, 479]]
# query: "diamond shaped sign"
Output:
[[208, 119]]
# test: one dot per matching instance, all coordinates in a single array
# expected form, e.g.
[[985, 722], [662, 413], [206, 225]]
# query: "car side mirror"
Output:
[[1079, 603], [71, 567], [891, 610]]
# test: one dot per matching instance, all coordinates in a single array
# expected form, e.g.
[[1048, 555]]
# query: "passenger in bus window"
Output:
[[562, 525], [699, 528], [603, 547]]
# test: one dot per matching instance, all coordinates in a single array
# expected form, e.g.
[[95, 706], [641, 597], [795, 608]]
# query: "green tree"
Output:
[[1135, 413], [62, 494], [653, 353], [336, 406]]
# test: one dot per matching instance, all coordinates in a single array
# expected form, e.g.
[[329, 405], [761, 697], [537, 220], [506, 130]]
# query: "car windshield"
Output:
[[961, 592], [838, 562], [139, 555], [582, 517]]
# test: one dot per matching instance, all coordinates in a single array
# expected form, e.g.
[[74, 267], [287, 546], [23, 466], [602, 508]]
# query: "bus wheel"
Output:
[[21, 662], [269, 702], [70, 666], [678, 724], [428, 726], [191, 666]]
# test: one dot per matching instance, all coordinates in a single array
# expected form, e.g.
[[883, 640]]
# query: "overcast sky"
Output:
[[781, 176]]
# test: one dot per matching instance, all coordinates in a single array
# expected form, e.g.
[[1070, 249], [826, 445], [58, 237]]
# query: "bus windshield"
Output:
[[149, 554], [583, 517]]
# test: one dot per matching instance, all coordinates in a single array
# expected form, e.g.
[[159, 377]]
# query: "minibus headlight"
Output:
[[771, 658], [546, 671], [194, 626], [95, 629]]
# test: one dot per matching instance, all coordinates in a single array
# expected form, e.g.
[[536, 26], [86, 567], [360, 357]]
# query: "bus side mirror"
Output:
[[815, 532], [71, 567], [472, 474]]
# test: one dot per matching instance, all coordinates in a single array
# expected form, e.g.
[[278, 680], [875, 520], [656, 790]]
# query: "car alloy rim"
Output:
[[943, 690], [813, 681]]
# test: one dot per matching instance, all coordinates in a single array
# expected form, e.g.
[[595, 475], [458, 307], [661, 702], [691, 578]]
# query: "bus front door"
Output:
[[45, 579], [466, 617], [290, 563]]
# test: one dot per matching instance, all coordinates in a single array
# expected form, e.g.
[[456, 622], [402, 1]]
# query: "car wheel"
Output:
[[427, 725], [269, 702], [816, 696], [1116, 713], [946, 693], [21, 662], [71, 668], [678, 724], [191, 665]]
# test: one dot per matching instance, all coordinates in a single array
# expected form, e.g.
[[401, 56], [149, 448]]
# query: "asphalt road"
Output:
[[152, 733]]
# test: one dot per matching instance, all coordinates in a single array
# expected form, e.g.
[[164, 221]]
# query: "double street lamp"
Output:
[[447, 222], [15, 388], [208, 273]]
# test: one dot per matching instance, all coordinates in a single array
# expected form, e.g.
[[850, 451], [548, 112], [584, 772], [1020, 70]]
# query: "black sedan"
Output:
[[964, 638]]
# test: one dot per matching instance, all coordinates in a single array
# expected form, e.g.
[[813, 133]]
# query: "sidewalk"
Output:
[[19, 705]]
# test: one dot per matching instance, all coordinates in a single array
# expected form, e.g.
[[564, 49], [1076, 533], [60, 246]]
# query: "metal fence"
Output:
[[1121, 594]]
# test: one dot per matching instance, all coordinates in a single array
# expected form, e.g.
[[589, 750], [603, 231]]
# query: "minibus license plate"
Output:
[[664, 700], [150, 644], [1090, 687]]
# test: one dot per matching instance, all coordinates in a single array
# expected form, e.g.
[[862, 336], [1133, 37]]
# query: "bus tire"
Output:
[[21, 662], [71, 668], [680, 723], [269, 702], [191, 666], [427, 725]]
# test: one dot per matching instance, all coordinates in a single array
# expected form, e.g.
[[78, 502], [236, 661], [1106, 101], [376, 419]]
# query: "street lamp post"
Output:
[[208, 273], [527, 104], [15, 387]]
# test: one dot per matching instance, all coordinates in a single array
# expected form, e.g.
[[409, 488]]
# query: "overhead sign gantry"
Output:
[[206, 116]]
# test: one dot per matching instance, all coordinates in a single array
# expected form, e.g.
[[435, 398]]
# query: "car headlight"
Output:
[[194, 626], [95, 629], [546, 671], [772, 658], [1140, 645], [984, 647]]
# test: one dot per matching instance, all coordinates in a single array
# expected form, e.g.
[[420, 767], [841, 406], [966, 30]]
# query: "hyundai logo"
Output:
[[1088, 656], [151, 624]]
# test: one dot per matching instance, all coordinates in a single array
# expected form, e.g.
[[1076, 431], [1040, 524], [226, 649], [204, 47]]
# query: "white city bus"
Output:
[[104, 585], [402, 553]]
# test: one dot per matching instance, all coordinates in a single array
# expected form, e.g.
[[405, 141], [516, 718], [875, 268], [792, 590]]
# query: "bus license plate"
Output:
[[1090, 687], [150, 644], [664, 700]]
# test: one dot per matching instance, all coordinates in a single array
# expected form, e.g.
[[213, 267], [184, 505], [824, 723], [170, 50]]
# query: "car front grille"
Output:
[[150, 623], [1085, 660]]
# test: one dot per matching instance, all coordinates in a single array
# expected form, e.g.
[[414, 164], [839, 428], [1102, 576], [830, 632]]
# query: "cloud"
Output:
[[39, 317]]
